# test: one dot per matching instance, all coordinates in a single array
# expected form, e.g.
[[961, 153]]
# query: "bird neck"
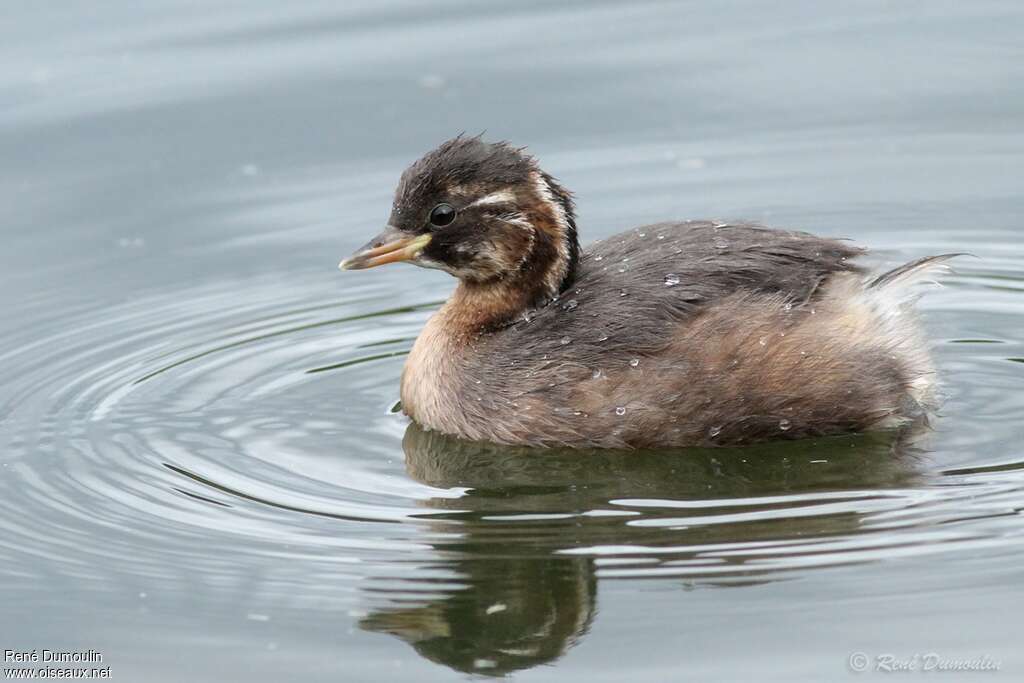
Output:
[[555, 255]]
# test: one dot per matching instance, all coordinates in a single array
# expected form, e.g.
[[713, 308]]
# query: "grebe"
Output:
[[667, 335]]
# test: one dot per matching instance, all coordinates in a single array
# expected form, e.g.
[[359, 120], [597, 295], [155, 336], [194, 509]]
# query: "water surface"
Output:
[[201, 472]]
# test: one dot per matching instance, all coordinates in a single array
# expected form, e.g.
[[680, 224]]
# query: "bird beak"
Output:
[[390, 246]]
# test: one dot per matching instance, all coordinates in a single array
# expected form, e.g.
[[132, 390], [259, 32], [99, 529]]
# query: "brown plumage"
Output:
[[673, 334]]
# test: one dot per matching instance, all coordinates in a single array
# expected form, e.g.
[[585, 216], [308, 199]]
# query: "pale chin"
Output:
[[424, 262]]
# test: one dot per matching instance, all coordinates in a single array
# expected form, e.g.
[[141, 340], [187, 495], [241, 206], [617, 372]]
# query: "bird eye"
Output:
[[442, 215]]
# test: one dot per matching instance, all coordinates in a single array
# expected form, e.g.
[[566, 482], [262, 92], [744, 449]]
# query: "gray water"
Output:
[[202, 475]]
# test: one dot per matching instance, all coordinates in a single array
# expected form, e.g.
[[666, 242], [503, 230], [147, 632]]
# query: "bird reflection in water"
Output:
[[532, 528]]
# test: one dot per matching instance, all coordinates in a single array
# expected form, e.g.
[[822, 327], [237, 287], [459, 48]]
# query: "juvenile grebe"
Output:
[[672, 334]]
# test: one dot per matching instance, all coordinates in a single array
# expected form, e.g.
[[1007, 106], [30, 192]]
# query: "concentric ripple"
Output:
[[161, 426]]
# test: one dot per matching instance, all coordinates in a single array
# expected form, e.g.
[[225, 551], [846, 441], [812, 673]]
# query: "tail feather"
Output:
[[915, 271], [891, 298]]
